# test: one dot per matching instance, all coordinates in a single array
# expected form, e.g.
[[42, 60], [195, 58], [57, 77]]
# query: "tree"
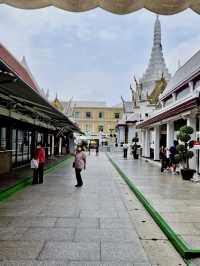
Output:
[[183, 149]]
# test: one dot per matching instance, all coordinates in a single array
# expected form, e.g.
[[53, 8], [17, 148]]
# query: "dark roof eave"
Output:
[[190, 104]]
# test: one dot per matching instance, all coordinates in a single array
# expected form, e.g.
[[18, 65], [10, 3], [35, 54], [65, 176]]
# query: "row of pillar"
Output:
[[169, 141]]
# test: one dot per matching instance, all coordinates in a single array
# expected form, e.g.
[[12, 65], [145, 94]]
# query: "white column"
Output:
[[52, 145], [60, 146], [170, 134], [156, 143], [191, 121], [122, 134], [147, 143], [143, 142]]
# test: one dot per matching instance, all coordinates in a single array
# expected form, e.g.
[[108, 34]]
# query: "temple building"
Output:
[[26, 116], [145, 92], [179, 106]]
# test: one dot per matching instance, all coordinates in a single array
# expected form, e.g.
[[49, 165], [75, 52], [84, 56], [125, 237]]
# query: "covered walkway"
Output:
[[96, 225]]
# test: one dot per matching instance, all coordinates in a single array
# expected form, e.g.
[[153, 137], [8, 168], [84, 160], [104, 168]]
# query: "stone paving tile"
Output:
[[193, 241], [132, 252], [19, 250], [181, 217], [185, 228], [33, 221], [106, 235], [99, 213], [20, 212], [48, 234], [62, 212], [162, 253], [87, 263], [147, 229], [196, 262], [71, 251], [112, 223], [5, 221], [33, 263], [11, 233], [78, 222]]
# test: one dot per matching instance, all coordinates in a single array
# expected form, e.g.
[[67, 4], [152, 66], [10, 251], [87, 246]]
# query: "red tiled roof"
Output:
[[14, 65]]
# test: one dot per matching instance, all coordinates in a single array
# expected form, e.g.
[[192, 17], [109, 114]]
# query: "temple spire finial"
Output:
[[156, 67]]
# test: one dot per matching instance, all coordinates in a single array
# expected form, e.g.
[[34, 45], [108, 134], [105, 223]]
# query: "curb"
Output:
[[180, 245], [4, 194]]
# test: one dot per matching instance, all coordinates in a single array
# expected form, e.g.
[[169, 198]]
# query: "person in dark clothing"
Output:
[[125, 150], [97, 149], [172, 160], [163, 159]]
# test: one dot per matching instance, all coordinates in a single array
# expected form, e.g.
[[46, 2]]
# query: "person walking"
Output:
[[79, 164], [125, 150], [40, 157]]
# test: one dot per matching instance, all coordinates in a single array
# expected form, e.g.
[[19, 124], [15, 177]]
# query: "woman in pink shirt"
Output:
[[79, 164]]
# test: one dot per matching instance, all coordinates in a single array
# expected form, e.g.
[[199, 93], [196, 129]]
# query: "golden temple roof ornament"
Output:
[[162, 7]]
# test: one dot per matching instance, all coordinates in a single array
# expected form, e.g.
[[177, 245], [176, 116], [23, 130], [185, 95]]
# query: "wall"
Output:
[[108, 121], [5, 162]]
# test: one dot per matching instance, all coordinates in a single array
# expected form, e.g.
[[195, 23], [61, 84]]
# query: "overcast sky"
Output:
[[93, 55]]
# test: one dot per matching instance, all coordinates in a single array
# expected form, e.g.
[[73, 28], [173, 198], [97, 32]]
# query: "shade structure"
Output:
[[163, 7]]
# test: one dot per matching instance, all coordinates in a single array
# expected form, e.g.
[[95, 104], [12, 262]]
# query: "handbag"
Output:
[[73, 165], [34, 164]]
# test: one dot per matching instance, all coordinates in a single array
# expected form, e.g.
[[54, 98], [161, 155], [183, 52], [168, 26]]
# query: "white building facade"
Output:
[[180, 106]]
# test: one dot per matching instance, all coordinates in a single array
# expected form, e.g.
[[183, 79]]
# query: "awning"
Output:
[[16, 94], [163, 7]]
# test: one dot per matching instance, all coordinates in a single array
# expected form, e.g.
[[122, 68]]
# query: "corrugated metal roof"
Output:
[[191, 67]]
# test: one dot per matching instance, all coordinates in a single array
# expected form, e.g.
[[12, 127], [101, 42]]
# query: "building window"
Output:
[[88, 115], [3, 137], [101, 115], [117, 115], [183, 93], [77, 115], [168, 101]]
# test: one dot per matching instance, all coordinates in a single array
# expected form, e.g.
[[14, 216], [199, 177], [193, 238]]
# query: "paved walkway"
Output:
[[178, 201], [96, 225]]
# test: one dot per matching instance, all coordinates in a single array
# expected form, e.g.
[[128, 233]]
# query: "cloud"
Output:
[[93, 55]]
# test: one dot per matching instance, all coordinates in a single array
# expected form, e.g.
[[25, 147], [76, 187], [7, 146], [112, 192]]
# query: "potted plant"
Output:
[[184, 153], [135, 147]]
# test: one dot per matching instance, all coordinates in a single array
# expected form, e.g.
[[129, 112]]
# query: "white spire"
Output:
[[156, 67]]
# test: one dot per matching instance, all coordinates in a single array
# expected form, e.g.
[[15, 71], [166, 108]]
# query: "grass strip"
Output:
[[6, 193], [181, 246]]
